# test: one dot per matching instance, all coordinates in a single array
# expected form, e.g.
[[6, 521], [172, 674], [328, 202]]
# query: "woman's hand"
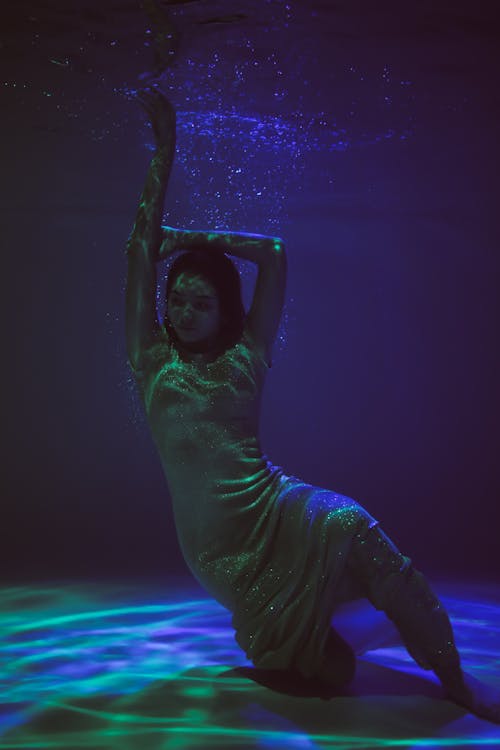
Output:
[[170, 241], [161, 114]]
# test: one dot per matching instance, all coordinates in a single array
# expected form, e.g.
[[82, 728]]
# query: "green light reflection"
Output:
[[83, 670]]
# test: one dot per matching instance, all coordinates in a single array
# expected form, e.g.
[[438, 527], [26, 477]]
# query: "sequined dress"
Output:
[[267, 546]]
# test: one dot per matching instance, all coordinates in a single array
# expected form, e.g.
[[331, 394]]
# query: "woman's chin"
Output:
[[189, 337], [196, 344], [192, 341]]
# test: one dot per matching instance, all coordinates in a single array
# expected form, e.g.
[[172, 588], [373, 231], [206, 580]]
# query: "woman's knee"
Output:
[[352, 516]]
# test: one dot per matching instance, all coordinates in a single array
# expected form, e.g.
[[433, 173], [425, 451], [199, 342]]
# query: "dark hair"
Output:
[[219, 270]]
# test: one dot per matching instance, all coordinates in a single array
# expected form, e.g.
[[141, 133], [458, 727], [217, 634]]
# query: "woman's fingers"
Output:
[[160, 112], [146, 99], [149, 112], [146, 95], [154, 102], [145, 105], [152, 95]]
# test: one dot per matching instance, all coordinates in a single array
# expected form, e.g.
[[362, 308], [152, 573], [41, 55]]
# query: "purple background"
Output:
[[367, 137]]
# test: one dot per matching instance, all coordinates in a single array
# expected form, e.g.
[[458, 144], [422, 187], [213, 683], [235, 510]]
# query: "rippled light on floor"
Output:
[[110, 666]]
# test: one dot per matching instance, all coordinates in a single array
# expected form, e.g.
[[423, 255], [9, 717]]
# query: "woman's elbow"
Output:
[[279, 246]]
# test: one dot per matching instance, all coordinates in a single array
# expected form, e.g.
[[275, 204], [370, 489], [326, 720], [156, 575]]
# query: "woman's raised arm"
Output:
[[258, 248], [146, 237]]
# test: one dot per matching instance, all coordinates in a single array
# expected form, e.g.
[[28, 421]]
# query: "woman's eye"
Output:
[[200, 306]]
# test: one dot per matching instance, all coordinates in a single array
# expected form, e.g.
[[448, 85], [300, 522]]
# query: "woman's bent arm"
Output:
[[258, 248], [146, 236]]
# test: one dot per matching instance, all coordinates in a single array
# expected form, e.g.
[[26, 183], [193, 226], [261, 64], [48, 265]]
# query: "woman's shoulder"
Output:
[[154, 355], [248, 342]]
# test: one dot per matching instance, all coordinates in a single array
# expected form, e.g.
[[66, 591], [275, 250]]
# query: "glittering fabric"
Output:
[[266, 545], [394, 585]]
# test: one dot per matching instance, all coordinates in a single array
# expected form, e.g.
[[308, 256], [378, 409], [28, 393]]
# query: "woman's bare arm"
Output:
[[265, 312], [258, 248], [146, 236], [267, 252]]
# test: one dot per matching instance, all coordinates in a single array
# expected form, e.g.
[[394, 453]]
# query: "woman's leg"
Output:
[[339, 663], [393, 585]]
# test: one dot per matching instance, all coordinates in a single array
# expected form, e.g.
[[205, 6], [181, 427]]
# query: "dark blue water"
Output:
[[364, 134]]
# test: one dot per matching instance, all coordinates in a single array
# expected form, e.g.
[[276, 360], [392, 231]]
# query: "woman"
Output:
[[280, 554]]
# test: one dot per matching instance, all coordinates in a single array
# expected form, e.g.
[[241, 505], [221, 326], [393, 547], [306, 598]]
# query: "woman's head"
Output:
[[204, 294]]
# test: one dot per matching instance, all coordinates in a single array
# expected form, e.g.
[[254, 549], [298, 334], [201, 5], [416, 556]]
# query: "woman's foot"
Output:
[[481, 699]]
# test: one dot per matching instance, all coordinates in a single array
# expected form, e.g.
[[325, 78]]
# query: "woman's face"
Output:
[[194, 312]]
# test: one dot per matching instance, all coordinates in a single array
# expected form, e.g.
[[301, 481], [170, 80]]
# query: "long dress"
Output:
[[269, 547]]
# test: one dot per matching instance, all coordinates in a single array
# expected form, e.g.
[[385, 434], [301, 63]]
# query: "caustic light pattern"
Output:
[[118, 667]]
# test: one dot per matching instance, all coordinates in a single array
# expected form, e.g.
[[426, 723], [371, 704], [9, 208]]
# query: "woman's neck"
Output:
[[199, 355]]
